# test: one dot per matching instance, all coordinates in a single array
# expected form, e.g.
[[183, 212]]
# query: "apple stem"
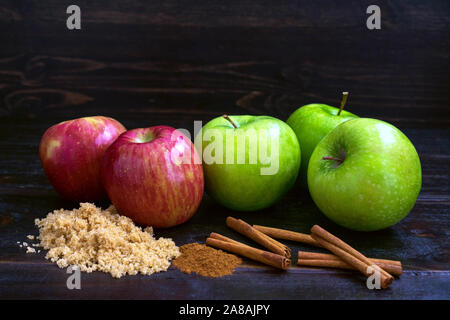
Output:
[[229, 119], [343, 102], [333, 158]]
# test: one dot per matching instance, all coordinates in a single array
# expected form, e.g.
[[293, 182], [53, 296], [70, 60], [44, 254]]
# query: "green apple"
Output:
[[365, 175], [313, 122], [249, 162]]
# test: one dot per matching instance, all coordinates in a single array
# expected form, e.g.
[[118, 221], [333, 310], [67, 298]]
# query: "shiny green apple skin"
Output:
[[311, 123], [241, 186], [376, 185]]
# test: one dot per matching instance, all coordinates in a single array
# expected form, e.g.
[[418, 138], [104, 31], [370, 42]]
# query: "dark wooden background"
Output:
[[171, 62]]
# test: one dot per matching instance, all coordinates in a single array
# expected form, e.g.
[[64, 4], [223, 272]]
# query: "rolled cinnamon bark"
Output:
[[266, 257], [327, 256], [287, 235], [314, 259], [349, 254], [337, 264], [247, 230], [218, 236]]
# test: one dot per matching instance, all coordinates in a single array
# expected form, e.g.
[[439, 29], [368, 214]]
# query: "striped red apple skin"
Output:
[[145, 183], [71, 154]]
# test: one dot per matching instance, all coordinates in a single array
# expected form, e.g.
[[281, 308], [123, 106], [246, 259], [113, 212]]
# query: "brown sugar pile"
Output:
[[206, 261], [103, 240]]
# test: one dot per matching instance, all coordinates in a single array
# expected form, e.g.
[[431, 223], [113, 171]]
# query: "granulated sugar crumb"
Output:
[[103, 240], [25, 244], [31, 237], [31, 250]]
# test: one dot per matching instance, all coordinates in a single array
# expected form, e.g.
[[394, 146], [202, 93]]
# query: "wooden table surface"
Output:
[[150, 63]]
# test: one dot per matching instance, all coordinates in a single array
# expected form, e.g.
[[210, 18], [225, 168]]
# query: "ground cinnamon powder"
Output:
[[206, 261]]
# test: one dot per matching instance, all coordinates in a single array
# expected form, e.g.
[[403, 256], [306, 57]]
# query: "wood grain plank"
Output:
[[294, 284], [420, 241], [155, 55]]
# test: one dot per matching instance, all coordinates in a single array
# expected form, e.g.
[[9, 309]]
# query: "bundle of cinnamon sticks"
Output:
[[343, 255], [278, 256]]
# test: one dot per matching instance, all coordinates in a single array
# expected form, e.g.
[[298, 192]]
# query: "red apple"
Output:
[[154, 176], [71, 154]]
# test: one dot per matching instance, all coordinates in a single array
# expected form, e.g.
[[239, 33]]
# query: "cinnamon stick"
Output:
[[226, 239], [247, 230], [287, 235], [349, 254], [314, 259], [266, 257], [327, 256]]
